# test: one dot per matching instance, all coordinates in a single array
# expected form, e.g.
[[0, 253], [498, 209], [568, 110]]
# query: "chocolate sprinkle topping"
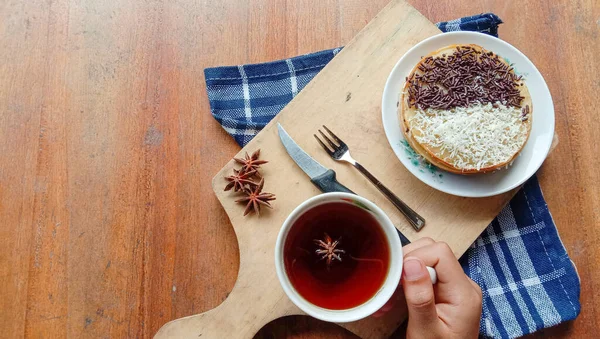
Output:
[[525, 113], [466, 76]]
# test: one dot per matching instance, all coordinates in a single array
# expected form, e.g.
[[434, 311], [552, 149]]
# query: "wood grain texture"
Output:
[[108, 225], [354, 72]]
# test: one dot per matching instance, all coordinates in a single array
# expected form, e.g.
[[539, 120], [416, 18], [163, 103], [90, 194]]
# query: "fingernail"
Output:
[[413, 269]]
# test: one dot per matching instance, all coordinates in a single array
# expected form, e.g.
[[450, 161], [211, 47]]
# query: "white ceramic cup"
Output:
[[395, 266]]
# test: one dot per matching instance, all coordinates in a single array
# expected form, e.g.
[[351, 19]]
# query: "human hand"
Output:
[[449, 309]]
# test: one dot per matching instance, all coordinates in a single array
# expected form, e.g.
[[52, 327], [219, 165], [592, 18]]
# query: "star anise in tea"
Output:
[[255, 198], [239, 180], [251, 163], [328, 250]]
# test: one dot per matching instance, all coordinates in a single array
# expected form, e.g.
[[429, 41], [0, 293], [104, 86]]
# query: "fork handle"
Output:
[[413, 217]]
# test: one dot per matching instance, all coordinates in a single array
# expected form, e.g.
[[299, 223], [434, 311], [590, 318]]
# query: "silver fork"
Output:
[[339, 151]]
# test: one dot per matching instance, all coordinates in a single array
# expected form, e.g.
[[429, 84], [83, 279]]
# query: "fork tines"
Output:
[[334, 146]]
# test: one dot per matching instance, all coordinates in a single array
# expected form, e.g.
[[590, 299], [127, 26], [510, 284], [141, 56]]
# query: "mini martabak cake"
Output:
[[465, 110]]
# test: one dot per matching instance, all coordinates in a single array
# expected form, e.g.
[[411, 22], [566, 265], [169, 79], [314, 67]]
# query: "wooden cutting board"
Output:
[[345, 96]]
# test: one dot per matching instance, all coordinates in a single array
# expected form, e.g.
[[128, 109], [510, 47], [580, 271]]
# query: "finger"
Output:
[[389, 305], [406, 249], [417, 244], [477, 288], [418, 292], [386, 308], [440, 256]]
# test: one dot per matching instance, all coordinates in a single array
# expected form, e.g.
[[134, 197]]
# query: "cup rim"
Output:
[[378, 300]]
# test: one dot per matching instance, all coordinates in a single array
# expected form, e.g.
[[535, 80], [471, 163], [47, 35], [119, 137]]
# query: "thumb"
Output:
[[418, 291]]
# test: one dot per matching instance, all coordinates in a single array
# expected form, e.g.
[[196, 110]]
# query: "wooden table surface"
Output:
[[108, 224]]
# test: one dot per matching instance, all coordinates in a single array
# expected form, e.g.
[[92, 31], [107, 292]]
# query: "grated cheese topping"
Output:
[[472, 137]]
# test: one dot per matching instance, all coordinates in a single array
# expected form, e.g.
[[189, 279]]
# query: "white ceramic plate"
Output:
[[479, 185]]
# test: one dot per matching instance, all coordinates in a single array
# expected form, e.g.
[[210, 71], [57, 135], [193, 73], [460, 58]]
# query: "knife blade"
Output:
[[320, 176]]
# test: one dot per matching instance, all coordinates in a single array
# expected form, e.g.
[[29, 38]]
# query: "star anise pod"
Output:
[[239, 179], [327, 249], [251, 163], [255, 198]]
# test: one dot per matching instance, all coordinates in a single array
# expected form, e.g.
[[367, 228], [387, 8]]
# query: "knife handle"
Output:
[[327, 183]]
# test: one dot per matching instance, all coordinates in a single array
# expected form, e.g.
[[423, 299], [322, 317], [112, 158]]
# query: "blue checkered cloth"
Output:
[[527, 278]]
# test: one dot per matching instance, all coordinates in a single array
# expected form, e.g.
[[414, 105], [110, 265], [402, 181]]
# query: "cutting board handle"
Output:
[[245, 311], [219, 322]]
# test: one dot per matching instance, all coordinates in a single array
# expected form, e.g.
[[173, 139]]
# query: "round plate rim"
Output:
[[490, 191]]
